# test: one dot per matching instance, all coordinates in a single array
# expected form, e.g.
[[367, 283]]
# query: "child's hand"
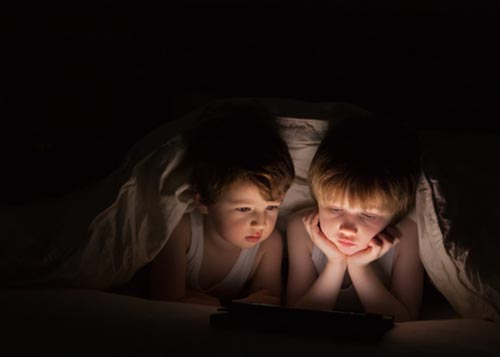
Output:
[[311, 224], [377, 247]]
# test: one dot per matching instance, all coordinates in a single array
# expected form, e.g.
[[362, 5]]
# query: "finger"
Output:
[[307, 220], [387, 235], [315, 220], [376, 245], [387, 243], [318, 234], [318, 237], [376, 241], [312, 219], [309, 215], [311, 222], [390, 239], [316, 231], [393, 232], [368, 254], [396, 231], [307, 227]]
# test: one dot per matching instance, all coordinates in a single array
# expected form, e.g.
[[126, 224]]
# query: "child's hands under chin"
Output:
[[377, 247], [311, 224]]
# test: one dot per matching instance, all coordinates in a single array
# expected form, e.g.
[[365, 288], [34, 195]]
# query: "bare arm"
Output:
[[196, 297], [403, 299], [167, 279], [266, 281], [305, 287], [408, 272]]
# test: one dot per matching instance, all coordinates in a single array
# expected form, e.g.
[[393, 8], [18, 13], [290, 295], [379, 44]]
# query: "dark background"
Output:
[[80, 82]]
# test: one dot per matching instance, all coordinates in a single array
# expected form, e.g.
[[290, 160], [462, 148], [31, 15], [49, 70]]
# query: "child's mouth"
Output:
[[253, 239], [346, 243]]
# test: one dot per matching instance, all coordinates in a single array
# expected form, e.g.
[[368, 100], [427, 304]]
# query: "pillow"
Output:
[[302, 137], [457, 212]]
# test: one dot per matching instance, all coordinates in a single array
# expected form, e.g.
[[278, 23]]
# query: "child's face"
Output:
[[351, 228], [241, 216]]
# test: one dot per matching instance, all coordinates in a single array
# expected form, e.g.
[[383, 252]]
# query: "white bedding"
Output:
[[100, 237], [70, 322]]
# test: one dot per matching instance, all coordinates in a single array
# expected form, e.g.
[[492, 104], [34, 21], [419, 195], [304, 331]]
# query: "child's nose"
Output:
[[348, 227], [259, 220]]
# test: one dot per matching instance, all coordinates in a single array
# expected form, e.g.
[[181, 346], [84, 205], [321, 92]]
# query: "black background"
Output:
[[82, 81]]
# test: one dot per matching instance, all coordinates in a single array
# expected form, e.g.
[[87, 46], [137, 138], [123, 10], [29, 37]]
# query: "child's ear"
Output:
[[202, 208]]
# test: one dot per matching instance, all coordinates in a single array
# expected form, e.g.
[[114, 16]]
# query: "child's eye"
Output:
[[243, 209], [368, 216], [335, 210], [273, 208]]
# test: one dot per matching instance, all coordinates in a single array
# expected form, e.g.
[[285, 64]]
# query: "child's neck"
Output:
[[216, 242]]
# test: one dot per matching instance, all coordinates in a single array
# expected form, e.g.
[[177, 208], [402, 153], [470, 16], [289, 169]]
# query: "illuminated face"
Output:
[[351, 228], [241, 216]]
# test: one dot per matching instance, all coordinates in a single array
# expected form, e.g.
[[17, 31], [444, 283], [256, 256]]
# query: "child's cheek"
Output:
[[328, 231]]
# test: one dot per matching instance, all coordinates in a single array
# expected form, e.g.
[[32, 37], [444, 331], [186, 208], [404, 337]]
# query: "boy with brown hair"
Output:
[[228, 247]]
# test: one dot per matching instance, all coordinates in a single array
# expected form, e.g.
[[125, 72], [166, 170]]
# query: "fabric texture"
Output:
[[105, 251], [302, 137], [457, 210], [132, 231], [99, 237]]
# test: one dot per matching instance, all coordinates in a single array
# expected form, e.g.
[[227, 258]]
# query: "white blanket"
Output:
[[100, 237]]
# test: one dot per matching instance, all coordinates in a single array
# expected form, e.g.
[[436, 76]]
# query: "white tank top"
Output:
[[234, 281]]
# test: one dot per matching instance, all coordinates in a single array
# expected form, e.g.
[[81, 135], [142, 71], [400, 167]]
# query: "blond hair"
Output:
[[368, 163]]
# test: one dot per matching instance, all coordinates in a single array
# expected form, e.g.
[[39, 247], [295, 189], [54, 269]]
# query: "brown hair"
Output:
[[238, 141]]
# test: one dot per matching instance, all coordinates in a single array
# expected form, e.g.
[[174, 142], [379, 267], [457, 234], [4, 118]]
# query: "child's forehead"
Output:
[[366, 206], [242, 187], [241, 191]]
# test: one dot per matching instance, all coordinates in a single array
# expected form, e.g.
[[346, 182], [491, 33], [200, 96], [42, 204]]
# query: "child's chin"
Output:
[[349, 252]]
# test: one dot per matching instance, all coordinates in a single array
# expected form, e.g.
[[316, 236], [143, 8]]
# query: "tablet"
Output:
[[258, 317]]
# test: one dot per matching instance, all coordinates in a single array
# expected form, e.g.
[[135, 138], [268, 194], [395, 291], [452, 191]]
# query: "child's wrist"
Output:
[[354, 265], [337, 262]]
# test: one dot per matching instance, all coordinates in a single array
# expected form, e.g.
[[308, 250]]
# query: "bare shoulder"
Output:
[[174, 249], [270, 249], [408, 227], [182, 232], [184, 224], [296, 219], [273, 243], [409, 238], [298, 241]]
